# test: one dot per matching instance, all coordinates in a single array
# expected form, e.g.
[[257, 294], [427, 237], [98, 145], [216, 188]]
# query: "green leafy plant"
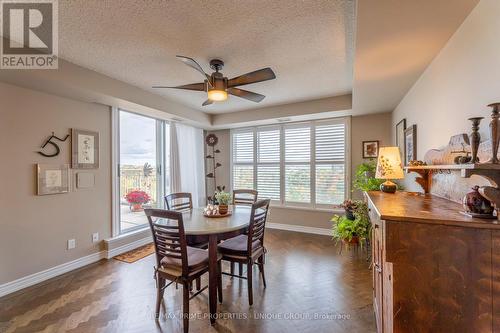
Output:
[[223, 198], [364, 179], [344, 229]]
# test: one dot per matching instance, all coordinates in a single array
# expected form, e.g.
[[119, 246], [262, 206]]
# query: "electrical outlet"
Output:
[[95, 237], [71, 244]]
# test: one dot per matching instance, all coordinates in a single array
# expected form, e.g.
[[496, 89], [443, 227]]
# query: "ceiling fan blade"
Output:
[[193, 64], [260, 75], [194, 86], [251, 96], [207, 102]]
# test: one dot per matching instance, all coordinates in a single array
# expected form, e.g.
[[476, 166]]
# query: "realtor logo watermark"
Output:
[[29, 30]]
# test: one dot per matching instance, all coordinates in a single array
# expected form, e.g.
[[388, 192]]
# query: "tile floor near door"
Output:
[[310, 288]]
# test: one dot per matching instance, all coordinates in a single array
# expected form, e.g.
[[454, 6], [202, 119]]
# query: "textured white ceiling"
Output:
[[309, 44]]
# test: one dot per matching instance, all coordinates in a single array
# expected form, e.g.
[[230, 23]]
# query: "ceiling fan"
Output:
[[218, 86]]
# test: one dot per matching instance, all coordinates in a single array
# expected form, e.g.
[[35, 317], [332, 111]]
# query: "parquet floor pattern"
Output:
[[310, 288]]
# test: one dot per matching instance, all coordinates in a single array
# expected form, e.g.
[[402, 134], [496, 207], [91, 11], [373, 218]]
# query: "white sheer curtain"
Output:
[[187, 161]]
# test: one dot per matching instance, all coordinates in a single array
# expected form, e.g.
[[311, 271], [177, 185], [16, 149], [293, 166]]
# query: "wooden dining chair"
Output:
[[179, 201], [244, 197], [182, 202], [249, 249], [177, 262]]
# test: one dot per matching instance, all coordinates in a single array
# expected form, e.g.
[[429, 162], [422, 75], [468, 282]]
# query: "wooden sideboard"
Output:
[[434, 269]]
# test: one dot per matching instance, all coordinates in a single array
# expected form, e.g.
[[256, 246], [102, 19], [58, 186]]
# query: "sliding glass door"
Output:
[[142, 167]]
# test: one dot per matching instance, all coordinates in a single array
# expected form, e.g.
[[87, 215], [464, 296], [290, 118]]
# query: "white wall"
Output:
[[458, 84]]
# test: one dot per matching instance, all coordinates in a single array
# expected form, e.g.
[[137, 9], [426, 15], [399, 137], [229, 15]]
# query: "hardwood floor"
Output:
[[306, 277]]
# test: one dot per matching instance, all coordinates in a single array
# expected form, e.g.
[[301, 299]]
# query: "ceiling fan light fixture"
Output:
[[217, 95]]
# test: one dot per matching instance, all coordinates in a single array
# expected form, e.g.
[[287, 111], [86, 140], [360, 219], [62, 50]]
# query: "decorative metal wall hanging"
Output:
[[53, 144], [211, 140]]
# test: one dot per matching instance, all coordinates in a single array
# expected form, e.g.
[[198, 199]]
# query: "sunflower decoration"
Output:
[[211, 140]]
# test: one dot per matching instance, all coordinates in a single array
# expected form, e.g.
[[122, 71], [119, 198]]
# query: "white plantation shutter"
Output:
[[268, 181], [243, 147], [268, 162], [330, 183], [298, 163], [330, 142], [243, 159], [298, 143], [242, 176], [330, 162], [268, 145]]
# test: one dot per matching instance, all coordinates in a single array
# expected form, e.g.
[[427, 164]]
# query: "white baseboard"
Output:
[[128, 247], [300, 228], [30, 280]]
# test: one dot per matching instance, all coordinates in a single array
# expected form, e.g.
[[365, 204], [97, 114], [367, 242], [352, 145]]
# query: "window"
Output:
[[268, 162], [243, 157], [298, 164], [143, 156], [330, 163]]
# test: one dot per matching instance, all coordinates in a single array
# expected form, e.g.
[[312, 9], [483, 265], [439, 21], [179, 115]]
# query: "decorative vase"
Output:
[[136, 207], [223, 209], [495, 132], [476, 205], [349, 214], [475, 138], [388, 187]]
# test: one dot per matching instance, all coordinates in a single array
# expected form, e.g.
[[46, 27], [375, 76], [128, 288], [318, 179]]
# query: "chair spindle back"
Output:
[[257, 224], [168, 236]]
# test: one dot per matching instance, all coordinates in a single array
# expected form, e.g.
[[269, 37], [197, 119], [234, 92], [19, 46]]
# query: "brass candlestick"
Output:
[[494, 130], [475, 138]]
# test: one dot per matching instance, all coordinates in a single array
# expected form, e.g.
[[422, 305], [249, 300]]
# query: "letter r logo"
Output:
[[28, 27], [29, 30]]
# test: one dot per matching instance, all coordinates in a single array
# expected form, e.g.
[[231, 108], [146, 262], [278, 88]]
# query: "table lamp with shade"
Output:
[[389, 167]]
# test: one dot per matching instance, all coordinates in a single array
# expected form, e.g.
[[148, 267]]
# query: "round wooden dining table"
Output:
[[215, 229]]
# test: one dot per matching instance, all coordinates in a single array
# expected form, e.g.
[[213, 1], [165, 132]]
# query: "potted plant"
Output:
[[223, 198], [365, 180], [349, 207], [355, 231], [136, 199], [212, 199]]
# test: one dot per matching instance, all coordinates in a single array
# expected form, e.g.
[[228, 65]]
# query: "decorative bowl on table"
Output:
[[215, 211]]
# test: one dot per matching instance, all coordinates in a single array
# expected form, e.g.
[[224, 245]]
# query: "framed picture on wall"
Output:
[[400, 139], [52, 178], [84, 149], [411, 143], [370, 149]]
